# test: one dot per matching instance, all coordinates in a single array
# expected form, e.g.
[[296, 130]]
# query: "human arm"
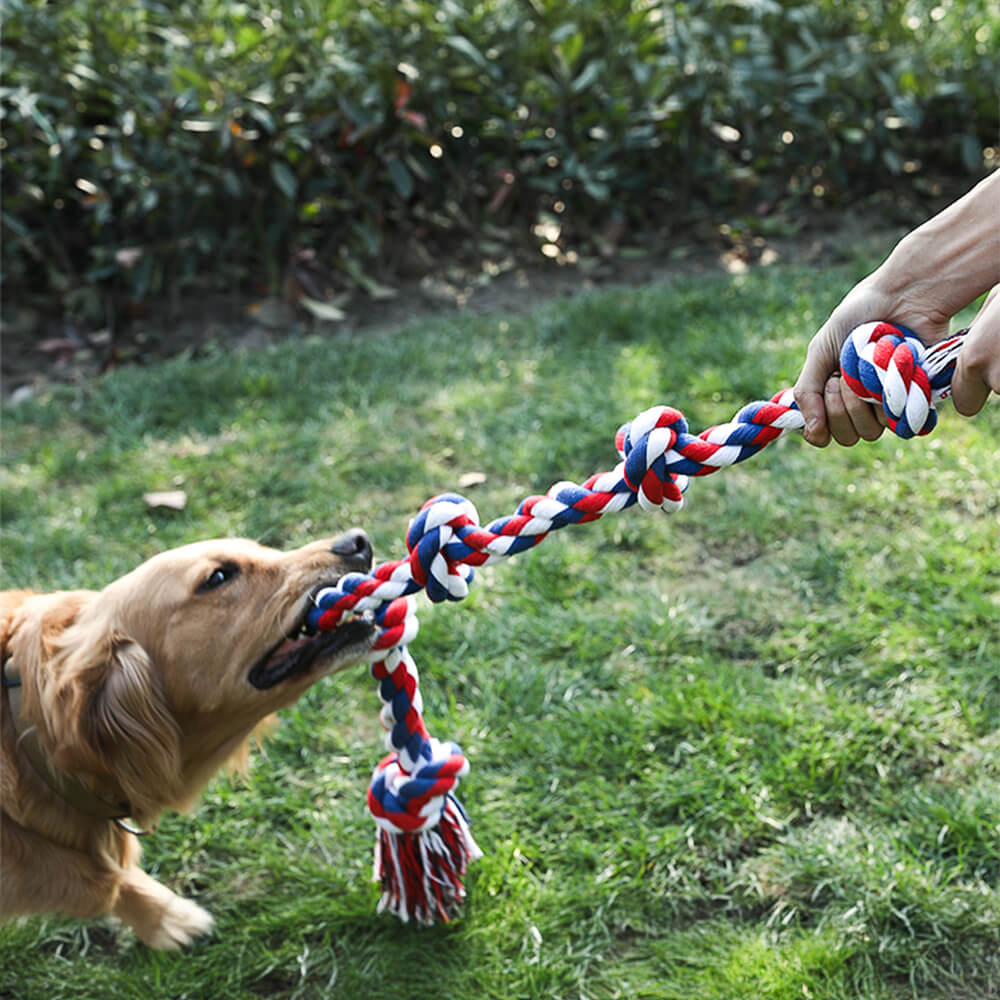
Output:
[[934, 272]]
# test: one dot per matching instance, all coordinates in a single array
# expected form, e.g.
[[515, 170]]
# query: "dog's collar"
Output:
[[69, 788]]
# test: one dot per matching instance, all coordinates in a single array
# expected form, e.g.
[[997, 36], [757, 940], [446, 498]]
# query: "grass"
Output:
[[747, 751]]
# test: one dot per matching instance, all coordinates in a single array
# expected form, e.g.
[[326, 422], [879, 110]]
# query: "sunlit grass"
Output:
[[749, 750]]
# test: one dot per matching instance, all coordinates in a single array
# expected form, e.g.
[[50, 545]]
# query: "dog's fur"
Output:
[[143, 691]]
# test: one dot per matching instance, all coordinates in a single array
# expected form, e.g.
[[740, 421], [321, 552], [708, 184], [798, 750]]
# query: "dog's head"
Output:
[[224, 619], [154, 681]]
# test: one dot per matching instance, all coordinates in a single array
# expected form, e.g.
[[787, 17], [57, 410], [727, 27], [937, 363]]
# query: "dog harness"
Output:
[[67, 786]]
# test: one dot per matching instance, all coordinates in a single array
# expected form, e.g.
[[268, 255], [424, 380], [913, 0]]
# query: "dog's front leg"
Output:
[[159, 917]]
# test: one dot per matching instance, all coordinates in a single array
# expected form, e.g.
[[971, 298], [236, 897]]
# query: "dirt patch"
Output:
[[40, 349]]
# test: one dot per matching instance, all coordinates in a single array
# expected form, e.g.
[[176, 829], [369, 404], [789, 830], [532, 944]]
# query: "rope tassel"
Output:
[[421, 874], [424, 844]]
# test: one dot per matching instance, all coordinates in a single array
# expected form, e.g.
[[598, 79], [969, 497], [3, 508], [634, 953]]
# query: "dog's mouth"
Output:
[[304, 649]]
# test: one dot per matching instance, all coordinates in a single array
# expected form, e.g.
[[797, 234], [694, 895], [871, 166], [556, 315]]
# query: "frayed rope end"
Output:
[[421, 873]]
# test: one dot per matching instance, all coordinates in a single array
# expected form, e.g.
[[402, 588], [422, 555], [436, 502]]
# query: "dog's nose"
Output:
[[354, 548]]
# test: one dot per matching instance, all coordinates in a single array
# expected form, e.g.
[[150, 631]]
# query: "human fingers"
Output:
[[977, 373], [867, 419], [821, 360], [850, 418], [841, 426]]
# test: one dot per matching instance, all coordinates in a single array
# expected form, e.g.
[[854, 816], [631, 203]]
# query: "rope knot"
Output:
[[885, 363], [435, 543], [646, 445], [412, 802]]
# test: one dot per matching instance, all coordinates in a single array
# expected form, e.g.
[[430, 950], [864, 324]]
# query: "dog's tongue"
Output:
[[288, 646]]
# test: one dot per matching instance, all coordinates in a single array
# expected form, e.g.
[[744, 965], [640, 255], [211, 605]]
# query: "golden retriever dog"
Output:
[[121, 703]]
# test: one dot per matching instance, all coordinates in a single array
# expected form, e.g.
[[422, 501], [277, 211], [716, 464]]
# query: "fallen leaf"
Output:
[[58, 345], [322, 310], [171, 499]]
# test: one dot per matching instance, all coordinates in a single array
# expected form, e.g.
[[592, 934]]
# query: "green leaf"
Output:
[[231, 183], [893, 161], [401, 178], [590, 73], [284, 178], [263, 117], [370, 285], [565, 31], [597, 190], [466, 48], [571, 48], [190, 77]]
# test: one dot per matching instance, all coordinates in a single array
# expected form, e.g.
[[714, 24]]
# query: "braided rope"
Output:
[[424, 843]]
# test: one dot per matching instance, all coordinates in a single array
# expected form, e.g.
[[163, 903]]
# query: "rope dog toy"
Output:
[[423, 844]]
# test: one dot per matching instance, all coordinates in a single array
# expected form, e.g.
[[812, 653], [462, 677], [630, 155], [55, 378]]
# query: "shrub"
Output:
[[151, 145]]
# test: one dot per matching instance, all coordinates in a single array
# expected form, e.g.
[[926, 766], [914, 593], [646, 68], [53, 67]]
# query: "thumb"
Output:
[[810, 403], [969, 391], [809, 394]]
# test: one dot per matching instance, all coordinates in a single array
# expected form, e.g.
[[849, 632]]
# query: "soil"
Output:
[[39, 349]]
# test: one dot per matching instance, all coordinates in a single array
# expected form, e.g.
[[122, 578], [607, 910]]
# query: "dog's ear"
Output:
[[116, 723]]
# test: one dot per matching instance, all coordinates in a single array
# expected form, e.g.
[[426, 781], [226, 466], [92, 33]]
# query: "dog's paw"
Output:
[[180, 923]]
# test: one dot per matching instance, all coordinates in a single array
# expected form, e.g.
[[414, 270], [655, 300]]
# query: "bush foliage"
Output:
[[149, 144]]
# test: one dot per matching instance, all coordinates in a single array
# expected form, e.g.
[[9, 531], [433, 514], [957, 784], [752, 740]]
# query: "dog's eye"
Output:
[[220, 575]]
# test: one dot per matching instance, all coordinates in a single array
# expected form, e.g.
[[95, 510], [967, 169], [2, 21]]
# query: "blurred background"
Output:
[[172, 165]]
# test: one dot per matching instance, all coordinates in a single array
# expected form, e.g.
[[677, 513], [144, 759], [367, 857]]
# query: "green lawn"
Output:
[[749, 751]]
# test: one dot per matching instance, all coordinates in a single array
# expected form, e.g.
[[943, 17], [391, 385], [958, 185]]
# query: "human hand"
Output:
[[978, 370], [830, 408]]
